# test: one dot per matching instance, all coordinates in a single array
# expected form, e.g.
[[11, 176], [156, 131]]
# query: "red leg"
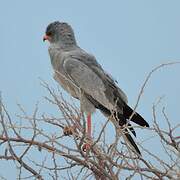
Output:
[[86, 146], [89, 125]]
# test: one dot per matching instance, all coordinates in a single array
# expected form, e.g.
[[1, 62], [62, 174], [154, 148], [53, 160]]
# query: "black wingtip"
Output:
[[136, 118], [122, 121], [147, 125]]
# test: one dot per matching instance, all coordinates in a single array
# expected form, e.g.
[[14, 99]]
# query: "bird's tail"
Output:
[[127, 137], [136, 118], [122, 120]]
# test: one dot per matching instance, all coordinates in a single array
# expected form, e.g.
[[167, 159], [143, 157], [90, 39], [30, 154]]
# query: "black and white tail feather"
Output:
[[123, 120]]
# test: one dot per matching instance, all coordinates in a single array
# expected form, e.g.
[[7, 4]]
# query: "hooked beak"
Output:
[[45, 37]]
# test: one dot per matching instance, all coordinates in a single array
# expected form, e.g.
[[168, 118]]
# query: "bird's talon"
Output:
[[86, 147]]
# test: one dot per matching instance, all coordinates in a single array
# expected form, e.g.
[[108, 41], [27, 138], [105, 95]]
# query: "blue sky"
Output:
[[128, 38]]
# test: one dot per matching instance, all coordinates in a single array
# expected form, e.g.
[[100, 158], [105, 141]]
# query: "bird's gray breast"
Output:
[[57, 60], [66, 84], [71, 88]]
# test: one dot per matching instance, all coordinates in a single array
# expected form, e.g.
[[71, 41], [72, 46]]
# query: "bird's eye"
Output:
[[49, 33]]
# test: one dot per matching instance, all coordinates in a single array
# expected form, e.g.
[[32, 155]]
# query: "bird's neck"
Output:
[[57, 53], [64, 46]]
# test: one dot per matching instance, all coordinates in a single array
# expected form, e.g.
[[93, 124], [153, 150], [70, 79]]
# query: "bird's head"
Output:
[[59, 33]]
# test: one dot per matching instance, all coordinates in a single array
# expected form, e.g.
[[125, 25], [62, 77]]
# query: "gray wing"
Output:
[[90, 77], [110, 83]]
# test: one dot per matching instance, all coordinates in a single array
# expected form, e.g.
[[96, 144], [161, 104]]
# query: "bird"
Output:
[[79, 73]]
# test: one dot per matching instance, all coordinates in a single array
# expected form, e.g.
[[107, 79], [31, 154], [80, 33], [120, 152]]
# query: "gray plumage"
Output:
[[82, 76]]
